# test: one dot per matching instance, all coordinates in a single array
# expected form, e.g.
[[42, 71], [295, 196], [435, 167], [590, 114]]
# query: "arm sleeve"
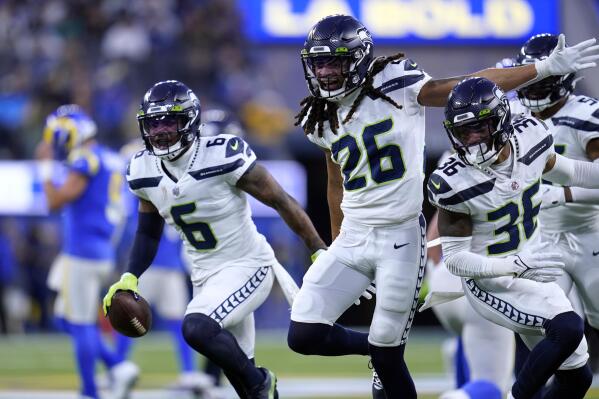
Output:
[[585, 195], [461, 262], [145, 245], [571, 172]]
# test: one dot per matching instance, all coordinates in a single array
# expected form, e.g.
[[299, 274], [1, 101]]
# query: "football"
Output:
[[130, 314]]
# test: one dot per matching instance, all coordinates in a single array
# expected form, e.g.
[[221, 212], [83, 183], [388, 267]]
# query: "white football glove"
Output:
[[552, 196], [543, 265], [367, 294], [564, 60]]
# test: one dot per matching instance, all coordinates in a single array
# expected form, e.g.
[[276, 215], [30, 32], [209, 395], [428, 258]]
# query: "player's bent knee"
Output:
[[581, 377], [567, 329], [306, 338], [384, 333], [198, 329]]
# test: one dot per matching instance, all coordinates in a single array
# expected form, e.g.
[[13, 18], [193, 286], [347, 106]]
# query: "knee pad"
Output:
[[387, 327], [384, 333], [198, 329], [307, 338], [567, 329]]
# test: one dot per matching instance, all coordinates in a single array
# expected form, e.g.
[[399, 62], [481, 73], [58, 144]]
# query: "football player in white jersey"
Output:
[[487, 349], [573, 120], [368, 116], [488, 199], [199, 185]]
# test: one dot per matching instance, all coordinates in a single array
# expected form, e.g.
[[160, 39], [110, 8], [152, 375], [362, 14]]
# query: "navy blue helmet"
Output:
[[338, 41], [169, 118], [216, 121], [477, 121], [547, 92]]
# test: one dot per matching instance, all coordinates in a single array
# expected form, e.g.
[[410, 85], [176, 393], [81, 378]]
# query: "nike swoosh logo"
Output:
[[414, 65], [595, 253], [436, 185], [235, 145], [399, 246]]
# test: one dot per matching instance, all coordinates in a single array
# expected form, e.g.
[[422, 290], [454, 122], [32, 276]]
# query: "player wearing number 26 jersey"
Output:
[[381, 149], [488, 199], [198, 185]]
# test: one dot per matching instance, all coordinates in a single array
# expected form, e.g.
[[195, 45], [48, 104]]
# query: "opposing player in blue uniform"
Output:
[[92, 210]]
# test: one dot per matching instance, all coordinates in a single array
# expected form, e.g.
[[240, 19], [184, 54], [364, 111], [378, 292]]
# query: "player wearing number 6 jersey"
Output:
[[367, 114], [488, 199], [199, 185]]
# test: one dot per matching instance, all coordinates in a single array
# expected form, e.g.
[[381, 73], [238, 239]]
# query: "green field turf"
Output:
[[39, 362]]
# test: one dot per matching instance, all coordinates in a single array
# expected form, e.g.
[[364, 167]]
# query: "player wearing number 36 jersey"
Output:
[[488, 198], [198, 185]]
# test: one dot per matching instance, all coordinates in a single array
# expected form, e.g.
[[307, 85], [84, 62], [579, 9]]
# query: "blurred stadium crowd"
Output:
[[103, 55]]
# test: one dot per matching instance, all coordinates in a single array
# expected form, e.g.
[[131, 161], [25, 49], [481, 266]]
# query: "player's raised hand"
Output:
[[564, 60], [128, 282], [542, 265]]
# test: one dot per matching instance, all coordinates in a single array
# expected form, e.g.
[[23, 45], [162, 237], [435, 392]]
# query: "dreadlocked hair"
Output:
[[320, 110]]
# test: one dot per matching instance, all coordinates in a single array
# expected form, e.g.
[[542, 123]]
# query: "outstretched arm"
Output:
[[434, 93], [561, 61], [261, 185]]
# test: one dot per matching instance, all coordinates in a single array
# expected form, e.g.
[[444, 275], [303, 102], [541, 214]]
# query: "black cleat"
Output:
[[377, 387], [268, 388]]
